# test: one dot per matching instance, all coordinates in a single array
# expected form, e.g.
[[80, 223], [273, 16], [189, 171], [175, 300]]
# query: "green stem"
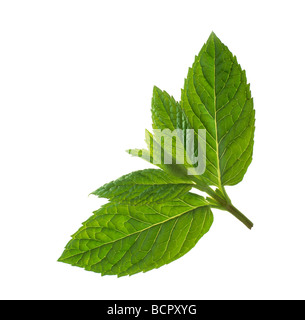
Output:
[[237, 214], [223, 204], [223, 191]]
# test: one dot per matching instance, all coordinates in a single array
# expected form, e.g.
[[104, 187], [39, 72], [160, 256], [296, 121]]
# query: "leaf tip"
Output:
[[94, 193], [156, 89], [212, 35], [60, 259]]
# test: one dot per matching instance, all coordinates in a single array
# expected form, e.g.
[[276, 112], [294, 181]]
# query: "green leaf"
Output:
[[167, 112], [167, 116], [167, 147], [216, 97], [145, 186], [124, 239]]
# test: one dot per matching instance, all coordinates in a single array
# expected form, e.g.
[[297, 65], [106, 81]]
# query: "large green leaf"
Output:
[[216, 97], [144, 186], [124, 239]]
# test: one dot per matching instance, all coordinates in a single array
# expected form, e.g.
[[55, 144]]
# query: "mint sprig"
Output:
[[152, 218]]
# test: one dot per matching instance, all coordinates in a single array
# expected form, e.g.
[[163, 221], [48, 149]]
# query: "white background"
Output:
[[76, 81]]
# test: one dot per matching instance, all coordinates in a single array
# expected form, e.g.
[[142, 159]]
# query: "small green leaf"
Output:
[[124, 239], [144, 186], [167, 112], [172, 147], [170, 121]]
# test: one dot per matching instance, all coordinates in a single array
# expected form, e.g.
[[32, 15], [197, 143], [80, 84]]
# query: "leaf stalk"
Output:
[[224, 202]]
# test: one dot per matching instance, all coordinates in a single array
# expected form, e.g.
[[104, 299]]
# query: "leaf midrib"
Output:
[[215, 120]]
